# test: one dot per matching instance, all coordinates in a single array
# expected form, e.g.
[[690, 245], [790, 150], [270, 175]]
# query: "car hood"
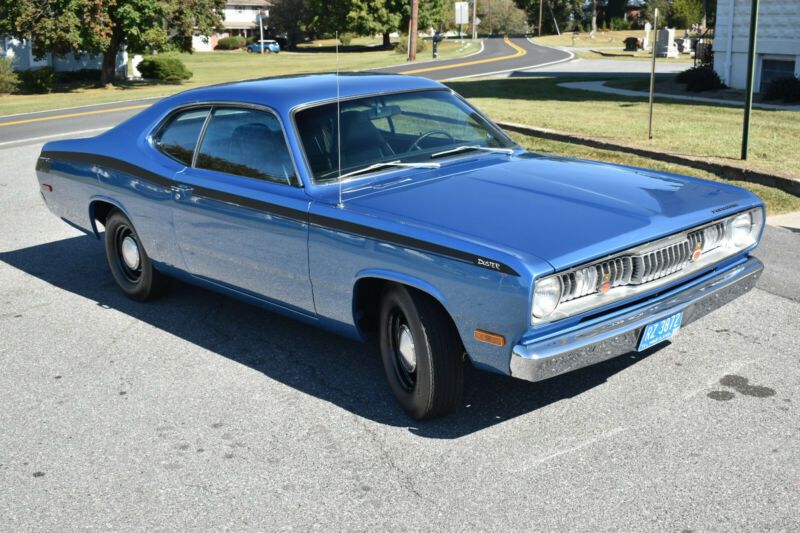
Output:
[[564, 211]]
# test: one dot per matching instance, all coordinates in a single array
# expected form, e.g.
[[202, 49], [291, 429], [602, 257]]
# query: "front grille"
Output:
[[660, 263], [637, 268]]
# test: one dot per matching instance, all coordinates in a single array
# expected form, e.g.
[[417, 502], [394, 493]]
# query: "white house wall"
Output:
[[778, 35]]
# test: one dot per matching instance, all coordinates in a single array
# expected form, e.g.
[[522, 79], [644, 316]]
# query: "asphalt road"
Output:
[[497, 55], [197, 412]]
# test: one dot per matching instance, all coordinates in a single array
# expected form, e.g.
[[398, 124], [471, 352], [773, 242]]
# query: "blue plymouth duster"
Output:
[[387, 207]]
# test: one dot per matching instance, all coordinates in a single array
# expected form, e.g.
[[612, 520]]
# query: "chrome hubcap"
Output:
[[130, 252], [408, 355]]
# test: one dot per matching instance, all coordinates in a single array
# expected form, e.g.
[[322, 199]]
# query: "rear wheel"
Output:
[[422, 353], [128, 261]]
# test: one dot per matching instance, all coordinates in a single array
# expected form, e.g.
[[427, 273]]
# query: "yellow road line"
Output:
[[519, 52], [73, 115]]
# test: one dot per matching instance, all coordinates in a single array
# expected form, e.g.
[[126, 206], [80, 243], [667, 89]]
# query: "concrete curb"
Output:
[[723, 170]]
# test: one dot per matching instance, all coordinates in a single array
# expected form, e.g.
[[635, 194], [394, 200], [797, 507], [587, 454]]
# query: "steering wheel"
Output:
[[415, 144]]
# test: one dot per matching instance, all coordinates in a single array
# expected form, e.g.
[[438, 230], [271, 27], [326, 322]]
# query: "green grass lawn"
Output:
[[679, 127], [218, 67], [776, 200], [610, 43], [601, 39], [621, 55]]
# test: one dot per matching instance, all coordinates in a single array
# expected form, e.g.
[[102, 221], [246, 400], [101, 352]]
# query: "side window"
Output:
[[178, 137], [246, 142]]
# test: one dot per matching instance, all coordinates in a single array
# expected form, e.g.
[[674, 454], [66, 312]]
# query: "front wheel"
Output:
[[129, 263], [422, 353]]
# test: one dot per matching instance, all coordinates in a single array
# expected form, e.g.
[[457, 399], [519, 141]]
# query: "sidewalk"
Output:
[[788, 220], [600, 87]]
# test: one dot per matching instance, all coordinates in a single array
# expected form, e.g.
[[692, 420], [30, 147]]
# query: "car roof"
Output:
[[286, 93]]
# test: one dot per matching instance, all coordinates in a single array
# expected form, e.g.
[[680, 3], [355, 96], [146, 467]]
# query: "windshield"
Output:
[[400, 128]]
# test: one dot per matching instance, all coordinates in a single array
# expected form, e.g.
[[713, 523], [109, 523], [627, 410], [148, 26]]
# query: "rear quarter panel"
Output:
[[120, 170]]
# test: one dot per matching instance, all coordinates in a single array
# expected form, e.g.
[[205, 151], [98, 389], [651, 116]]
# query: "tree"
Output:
[[57, 27], [501, 16], [104, 26], [368, 17], [664, 11], [594, 17], [565, 13], [686, 12], [616, 9], [437, 14], [328, 18], [290, 17]]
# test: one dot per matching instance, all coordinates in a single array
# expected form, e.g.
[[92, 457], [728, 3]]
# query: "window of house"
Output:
[[773, 68]]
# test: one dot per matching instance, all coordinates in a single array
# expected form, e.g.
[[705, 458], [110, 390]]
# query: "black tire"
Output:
[[433, 388], [139, 283]]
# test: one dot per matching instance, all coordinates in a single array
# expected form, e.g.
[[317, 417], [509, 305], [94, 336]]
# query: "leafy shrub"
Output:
[[231, 43], [619, 24], [346, 39], [164, 68], [700, 78], [38, 81], [84, 75], [402, 46], [154, 40], [786, 89], [8, 78]]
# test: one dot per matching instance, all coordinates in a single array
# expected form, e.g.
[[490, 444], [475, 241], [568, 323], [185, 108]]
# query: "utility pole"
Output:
[[412, 31], [541, 10], [653, 75], [751, 70], [474, 19]]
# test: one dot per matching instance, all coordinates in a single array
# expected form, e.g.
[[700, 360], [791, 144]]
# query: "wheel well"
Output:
[[367, 296], [99, 211], [367, 303]]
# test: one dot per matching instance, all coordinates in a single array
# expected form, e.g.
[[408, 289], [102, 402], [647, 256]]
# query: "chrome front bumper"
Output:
[[539, 360]]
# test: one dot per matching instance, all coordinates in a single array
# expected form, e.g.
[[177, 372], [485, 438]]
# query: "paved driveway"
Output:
[[199, 412]]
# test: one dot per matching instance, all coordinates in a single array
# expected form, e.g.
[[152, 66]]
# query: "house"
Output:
[[241, 17], [777, 45], [21, 52]]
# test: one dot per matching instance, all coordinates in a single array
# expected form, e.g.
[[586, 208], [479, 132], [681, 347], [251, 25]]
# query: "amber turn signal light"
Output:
[[491, 338]]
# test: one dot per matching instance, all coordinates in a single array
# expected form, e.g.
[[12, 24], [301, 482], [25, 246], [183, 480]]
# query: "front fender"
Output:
[[404, 279]]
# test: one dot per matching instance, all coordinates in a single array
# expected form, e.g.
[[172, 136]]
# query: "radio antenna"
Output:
[[338, 124]]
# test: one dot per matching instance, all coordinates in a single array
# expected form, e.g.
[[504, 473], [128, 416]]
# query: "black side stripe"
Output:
[[286, 212]]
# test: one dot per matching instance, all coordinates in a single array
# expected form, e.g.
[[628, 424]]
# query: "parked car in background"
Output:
[[270, 47], [387, 207]]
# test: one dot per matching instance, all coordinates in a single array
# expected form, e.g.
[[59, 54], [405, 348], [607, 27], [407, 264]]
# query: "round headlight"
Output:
[[741, 229], [546, 296]]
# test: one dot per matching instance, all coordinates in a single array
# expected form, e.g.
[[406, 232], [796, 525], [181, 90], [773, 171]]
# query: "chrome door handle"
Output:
[[181, 190]]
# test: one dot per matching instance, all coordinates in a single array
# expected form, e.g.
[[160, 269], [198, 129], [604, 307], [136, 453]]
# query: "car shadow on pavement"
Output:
[[343, 372]]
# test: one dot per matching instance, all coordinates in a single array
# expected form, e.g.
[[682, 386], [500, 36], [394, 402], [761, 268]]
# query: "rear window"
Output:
[[178, 138]]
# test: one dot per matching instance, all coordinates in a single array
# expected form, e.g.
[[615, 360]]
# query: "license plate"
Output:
[[660, 331]]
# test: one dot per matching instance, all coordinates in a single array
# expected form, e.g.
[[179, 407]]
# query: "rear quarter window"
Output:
[[178, 137]]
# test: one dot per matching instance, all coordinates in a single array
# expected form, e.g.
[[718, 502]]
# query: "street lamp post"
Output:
[[261, 31]]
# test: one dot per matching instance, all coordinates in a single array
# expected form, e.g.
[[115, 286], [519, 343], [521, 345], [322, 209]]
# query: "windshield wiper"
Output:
[[470, 147], [378, 166]]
